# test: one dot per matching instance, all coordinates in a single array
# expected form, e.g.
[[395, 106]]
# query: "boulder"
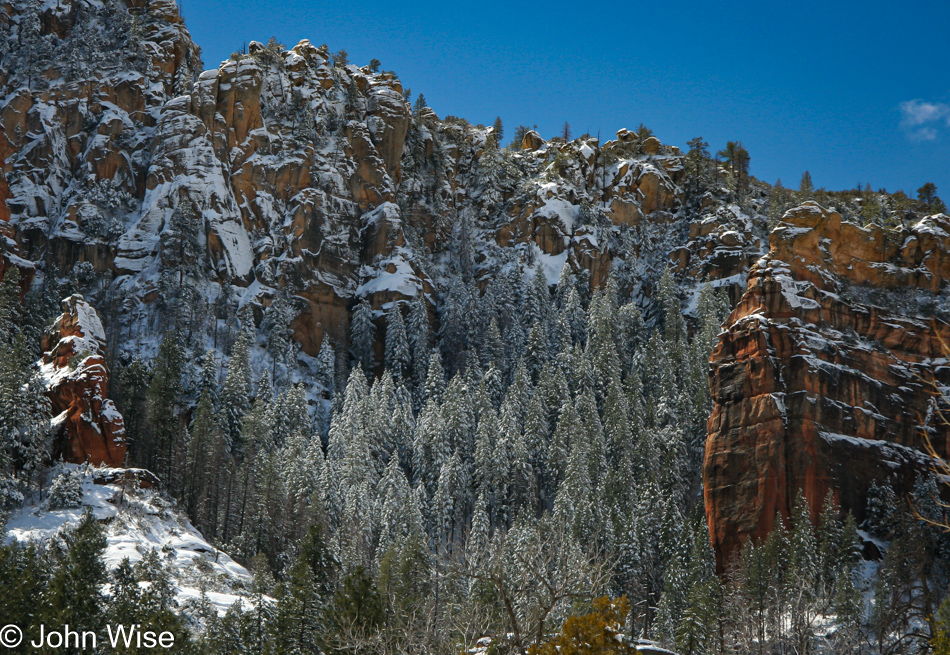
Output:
[[626, 136], [531, 141], [651, 146]]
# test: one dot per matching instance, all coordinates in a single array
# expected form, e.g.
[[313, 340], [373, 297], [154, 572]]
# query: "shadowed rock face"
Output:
[[820, 380], [88, 426]]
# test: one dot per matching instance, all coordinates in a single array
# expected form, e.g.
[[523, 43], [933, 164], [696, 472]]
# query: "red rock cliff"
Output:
[[88, 426], [818, 381]]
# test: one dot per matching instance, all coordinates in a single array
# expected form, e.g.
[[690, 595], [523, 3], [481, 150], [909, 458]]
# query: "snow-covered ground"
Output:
[[137, 521]]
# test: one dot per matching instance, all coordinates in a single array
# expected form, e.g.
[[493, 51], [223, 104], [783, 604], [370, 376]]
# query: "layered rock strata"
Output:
[[822, 378]]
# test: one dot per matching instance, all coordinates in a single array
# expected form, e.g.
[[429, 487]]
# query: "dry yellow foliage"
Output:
[[597, 633]]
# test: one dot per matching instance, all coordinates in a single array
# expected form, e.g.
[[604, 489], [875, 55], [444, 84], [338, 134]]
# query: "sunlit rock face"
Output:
[[821, 379], [87, 426]]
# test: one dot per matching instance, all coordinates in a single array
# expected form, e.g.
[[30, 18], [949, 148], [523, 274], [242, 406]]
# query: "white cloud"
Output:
[[920, 119], [919, 112], [923, 134]]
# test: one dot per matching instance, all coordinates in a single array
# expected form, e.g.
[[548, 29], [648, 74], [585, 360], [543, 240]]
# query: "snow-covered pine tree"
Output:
[[450, 503], [362, 336], [392, 499], [325, 372], [674, 327], [209, 376], [454, 325], [574, 502], [279, 338], [66, 490], [418, 334], [236, 392], [427, 448], [350, 419], [569, 429], [492, 351], [164, 407], [397, 353], [204, 434], [575, 318]]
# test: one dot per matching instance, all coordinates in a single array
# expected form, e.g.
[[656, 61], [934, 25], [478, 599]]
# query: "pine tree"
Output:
[[574, 502], [803, 548], [576, 318], [362, 336], [358, 478], [130, 393], [419, 105], [144, 594], [806, 190], [356, 610], [164, 406], [737, 158], [478, 537], [236, 392], [205, 434], [280, 344], [419, 343], [569, 429], [303, 597], [848, 604], [397, 345], [326, 367], [181, 241], [674, 328], [24, 409], [928, 199], [392, 499], [66, 491], [449, 503], [698, 174], [537, 354], [209, 376], [24, 576], [74, 595]]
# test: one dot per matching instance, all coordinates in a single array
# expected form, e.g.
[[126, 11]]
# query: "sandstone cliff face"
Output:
[[88, 428], [819, 381]]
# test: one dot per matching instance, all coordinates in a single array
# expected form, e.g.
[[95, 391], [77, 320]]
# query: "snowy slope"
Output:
[[137, 521]]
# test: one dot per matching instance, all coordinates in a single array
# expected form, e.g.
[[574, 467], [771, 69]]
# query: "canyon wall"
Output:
[[822, 379]]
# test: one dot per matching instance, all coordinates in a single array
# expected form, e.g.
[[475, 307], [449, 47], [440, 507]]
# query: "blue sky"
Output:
[[852, 92]]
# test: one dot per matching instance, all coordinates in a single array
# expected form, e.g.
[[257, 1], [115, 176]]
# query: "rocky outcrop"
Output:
[[308, 181], [87, 426], [820, 379], [302, 178], [531, 141]]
